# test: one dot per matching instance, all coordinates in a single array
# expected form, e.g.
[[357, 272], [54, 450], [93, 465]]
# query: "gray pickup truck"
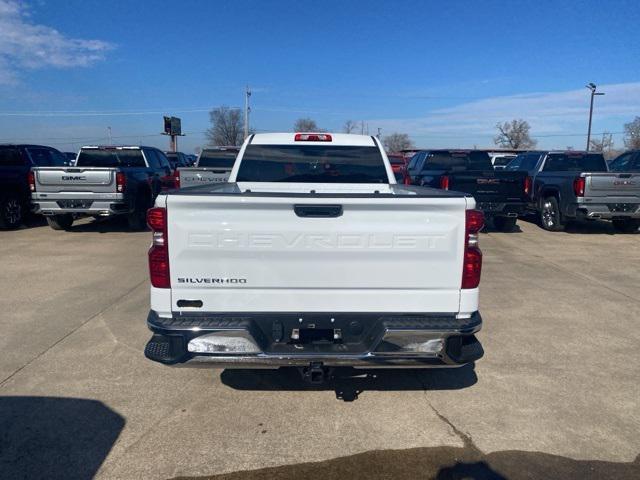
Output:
[[213, 165], [575, 185], [104, 181]]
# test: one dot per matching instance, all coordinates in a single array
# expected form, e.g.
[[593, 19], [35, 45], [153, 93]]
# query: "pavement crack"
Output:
[[64, 337], [465, 438]]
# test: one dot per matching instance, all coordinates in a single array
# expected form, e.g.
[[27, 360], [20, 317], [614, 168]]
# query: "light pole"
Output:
[[591, 86], [247, 109]]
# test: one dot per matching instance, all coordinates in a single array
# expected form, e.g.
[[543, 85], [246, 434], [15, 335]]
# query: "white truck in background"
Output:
[[213, 165], [312, 256]]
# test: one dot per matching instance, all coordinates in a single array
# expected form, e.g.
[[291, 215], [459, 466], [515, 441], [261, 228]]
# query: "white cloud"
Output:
[[26, 45], [555, 113]]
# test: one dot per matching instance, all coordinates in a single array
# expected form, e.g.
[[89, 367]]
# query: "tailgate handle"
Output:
[[318, 211]]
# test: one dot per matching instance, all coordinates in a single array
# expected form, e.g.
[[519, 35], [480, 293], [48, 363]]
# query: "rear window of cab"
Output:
[[312, 164]]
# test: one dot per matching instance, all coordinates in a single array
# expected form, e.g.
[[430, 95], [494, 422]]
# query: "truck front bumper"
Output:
[[81, 203], [272, 340]]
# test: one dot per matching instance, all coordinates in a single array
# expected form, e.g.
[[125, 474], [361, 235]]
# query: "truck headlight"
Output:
[[236, 341], [416, 342]]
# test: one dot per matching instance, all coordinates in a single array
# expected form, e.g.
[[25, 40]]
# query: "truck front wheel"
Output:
[[550, 218], [11, 212], [626, 225], [60, 222]]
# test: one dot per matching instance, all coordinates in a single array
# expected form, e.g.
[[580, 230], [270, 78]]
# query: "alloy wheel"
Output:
[[548, 214], [12, 211]]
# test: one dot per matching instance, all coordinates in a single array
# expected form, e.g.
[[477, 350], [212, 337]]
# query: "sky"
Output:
[[443, 72]]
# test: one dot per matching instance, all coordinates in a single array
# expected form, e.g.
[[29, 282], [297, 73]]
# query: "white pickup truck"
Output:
[[312, 256]]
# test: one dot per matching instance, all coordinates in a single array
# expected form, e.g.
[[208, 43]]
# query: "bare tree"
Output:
[[226, 126], [349, 126], [305, 125], [514, 134], [396, 142], [603, 145], [632, 134]]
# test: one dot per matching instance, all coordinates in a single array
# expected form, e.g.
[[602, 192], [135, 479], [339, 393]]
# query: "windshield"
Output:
[[321, 164], [458, 160], [501, 161], [217, 158], [110, 158], [575, 162], [44, 157], [629, 162]]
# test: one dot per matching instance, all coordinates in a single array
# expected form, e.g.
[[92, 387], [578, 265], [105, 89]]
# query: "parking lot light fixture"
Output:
[[593, 87]]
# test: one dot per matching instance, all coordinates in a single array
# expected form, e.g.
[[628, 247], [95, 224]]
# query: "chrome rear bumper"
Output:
[[273, 340]]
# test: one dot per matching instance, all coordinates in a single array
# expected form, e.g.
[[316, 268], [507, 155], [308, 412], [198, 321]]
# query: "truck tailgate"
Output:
[[490, 186], [377, 255], [190, 177], [75, 179], [613, 185]]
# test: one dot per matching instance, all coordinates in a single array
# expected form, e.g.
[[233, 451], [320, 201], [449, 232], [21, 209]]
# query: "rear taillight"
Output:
[[472, 264], [444, 182], [528, 183], [31, 178], [159, 251], [176, 179], [578, 186], [121, 182], [313, 137]]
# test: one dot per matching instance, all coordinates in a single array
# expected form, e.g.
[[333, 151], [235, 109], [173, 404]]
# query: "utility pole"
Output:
[[379, 131], [247, 109], [110, 137], [591, 86]]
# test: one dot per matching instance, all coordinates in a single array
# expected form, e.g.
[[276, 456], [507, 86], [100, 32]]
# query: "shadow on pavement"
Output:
[[583, 227], [349, 383], [116, 224], [32, 221], [53, 437], [444, 463]]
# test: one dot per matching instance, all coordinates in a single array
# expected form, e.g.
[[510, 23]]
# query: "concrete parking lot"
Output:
[[556, 395]]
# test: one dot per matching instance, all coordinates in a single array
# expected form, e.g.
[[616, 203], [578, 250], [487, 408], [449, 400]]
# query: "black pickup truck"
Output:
[[501, 195], [15, 164]]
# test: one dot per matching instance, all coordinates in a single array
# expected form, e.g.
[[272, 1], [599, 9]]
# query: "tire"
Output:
[[137, 219], [550, 218], [11, 212], [626, 225], [505, 224], [60, 222]]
